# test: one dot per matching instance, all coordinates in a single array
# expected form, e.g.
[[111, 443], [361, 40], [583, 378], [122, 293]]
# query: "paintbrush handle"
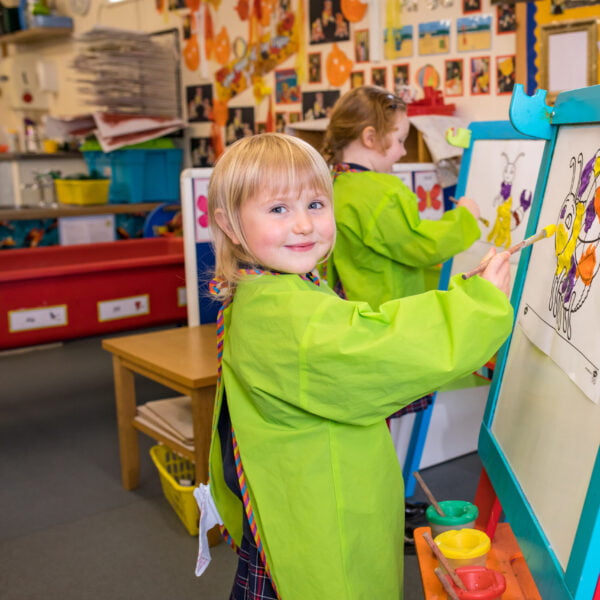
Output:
[[443, 560], [484, 221], [429, 495], [530, 240], [446, 584]]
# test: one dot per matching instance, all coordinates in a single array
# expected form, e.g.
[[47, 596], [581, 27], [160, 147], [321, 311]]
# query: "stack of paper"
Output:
[[171, 417], [127, 72]]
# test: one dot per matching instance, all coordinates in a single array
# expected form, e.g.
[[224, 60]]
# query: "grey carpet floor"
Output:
[[68, 530]]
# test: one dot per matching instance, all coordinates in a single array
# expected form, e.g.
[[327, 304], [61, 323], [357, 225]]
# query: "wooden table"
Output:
[[183, 359]]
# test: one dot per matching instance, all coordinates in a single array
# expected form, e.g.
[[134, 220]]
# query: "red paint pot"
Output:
[[481, 583]]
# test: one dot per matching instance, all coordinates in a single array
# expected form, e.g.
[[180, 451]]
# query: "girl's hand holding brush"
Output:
[[497, 270]]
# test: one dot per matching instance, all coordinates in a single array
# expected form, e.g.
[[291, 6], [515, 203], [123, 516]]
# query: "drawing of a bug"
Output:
[[576, 242], [507, 218]]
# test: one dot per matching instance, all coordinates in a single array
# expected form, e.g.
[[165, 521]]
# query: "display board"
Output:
[[540, 437], [198, 252]]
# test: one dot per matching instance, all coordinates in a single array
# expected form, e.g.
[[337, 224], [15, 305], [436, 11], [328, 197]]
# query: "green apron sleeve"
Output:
[[345, 362], [396, 231]]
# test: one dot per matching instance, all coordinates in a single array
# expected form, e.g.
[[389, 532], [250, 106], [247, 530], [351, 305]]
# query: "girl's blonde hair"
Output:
[[269, 163], [364, 106]]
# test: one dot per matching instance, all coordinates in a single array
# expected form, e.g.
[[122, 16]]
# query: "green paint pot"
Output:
[[459, 515]]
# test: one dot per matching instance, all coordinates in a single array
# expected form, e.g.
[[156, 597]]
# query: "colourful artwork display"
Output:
[[557, 321], [480, 75], [474, 33], [505, 72], [429, 193], [287, 90], [434, 37], [398, 42], [502, 175]]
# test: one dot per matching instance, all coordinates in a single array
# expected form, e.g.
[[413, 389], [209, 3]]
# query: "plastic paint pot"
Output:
[[459, 515], [481, 583], [464, 547]]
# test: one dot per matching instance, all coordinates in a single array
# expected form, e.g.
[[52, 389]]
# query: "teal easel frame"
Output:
[[580, 580]]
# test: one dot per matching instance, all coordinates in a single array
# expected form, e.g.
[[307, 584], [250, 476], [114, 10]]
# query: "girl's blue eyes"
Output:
[[315, 204]]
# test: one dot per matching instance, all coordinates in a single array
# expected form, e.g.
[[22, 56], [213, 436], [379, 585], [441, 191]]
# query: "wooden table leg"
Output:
[[126, 411], [202, 411]]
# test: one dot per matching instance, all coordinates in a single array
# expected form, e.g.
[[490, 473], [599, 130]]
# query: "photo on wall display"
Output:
[[361, 45], [398, 42], [454, 77], [357, 78], [202, 152], [240, 123], [327, 22], [401, 75], [314, 67], [480, 75], [318, 105], [471, 6], [474, 33], [280, 122], [379, 76], [505, 71], [434, 37], [199, 102], [506, 18]]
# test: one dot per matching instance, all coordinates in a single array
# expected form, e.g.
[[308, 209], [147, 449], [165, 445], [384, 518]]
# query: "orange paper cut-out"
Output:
[[191, 53], [353, 10], [243, 10], [219, 112], [338, 66], [222, 46]]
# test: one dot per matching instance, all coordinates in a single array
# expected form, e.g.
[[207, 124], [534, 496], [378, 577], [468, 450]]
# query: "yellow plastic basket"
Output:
[[82, 191], [171, 468]]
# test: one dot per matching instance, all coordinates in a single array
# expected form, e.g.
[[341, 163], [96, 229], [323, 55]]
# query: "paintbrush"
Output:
[[484, 221], [443, 561], [428, 493], [546, 232]]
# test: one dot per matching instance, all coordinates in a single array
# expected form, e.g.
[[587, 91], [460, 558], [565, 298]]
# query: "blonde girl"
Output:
[[302, 469]]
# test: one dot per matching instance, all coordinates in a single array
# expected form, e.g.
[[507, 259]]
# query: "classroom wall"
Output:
[[143, 15]]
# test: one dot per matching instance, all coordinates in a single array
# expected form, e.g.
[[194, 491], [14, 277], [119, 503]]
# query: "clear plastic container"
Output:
[[459, 514], [464, 547]]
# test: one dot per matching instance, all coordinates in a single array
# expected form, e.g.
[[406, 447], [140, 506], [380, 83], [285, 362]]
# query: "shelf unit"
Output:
[[35, 34], [63, 210]]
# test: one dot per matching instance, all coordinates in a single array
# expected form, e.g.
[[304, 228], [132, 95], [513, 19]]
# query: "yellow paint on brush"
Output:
[[550, 230]]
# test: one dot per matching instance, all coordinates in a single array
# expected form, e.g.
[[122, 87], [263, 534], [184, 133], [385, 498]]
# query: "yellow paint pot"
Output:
[[464, 547]]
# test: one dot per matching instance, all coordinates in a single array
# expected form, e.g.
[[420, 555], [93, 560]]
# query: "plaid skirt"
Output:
[[414, 407], [251, 580]]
